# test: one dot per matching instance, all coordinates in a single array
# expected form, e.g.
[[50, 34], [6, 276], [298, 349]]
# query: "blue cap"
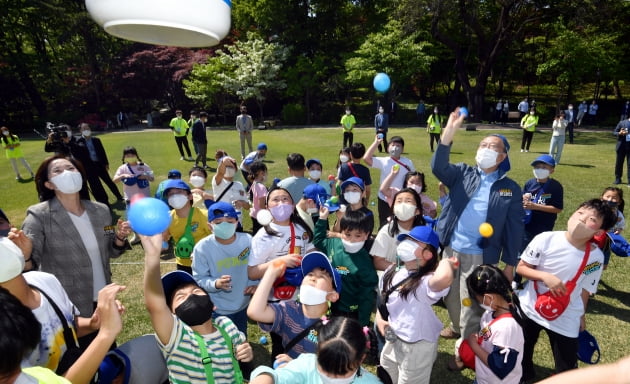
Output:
[[422, 234], [313, 161], [221, 209], [173, 280], [353, 180], [261, 146], [316, 193], [544, 159], [505, 164], [587, 346], [175, 183], [318, 259], [174, 174]]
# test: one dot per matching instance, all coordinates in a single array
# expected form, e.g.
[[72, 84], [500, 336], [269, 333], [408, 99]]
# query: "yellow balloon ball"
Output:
[[466, 302], [486, 230]]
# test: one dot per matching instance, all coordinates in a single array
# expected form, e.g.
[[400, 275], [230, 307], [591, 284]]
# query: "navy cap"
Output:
[[261, 146], [316, 193], [4, 216], [317, 259], [313, 161], [353, 180], [422, 234], [505, 164], [174, 174], [221, 209], [546, 159], [172, 280], [175, 183]]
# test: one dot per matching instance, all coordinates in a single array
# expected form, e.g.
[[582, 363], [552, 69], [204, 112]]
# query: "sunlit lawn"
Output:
[[587, 167]]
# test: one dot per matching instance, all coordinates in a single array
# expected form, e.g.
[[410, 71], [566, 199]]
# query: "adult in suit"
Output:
[[90, 151], [200, 139], [571, 117], [72, 238], [622, 149]]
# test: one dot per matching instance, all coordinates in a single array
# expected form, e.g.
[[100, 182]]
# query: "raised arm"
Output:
[[259, 309], [161, 316], [443, 276], [370, 151]]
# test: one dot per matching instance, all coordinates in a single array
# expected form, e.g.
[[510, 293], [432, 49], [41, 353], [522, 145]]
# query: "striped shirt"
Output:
[[183, 357]]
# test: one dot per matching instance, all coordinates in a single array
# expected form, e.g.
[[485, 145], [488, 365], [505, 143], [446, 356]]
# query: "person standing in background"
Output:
[[180, 129], [523, 108], [420, 112], [571, 118], [557, 137], [434, 127], [381, 124], [625, 110], [199, 139], [245, 126], [592, 112], [11, 144], [528, 124], [347, 123], [582, 108], [191, 122], [504, 112]]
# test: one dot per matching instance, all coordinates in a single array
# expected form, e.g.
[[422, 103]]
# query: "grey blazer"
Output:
[[58, 249]]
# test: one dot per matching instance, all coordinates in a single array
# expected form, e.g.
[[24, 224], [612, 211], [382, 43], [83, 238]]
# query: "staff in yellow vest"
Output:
[[528, 124], [434, 126], [180, 129]]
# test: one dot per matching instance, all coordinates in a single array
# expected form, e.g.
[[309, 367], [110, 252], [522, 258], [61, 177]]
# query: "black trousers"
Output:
[[103, 174], [348, 138], [622, 154], [434, 137], [182, 141], [527, 139], [384, 211], [564, 349], [570, 127]]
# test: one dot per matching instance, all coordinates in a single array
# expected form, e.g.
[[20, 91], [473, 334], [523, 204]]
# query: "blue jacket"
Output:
[[505, 208]]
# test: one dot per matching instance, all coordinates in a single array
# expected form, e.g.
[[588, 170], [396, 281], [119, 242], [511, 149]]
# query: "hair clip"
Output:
[[366, 332], [325, 320]]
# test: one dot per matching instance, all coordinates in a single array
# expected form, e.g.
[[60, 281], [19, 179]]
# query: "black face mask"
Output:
[[612, 204], [195, 310]]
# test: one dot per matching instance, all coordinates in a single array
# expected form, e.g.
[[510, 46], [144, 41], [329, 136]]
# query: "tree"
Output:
[[249, 69]]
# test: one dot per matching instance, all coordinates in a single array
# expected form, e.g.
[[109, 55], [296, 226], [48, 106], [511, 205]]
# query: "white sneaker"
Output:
[[522, 150], [527, 150], [182, 158]]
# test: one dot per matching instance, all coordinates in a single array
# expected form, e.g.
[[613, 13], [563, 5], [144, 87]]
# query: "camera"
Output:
[[58, 131]]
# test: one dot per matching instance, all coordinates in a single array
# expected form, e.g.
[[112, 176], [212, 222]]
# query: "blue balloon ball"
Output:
[[381, 82], [463, 111], [263, 340], [277, 363], [149, 216]]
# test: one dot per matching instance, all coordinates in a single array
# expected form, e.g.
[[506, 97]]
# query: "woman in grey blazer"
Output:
[[72, 238]]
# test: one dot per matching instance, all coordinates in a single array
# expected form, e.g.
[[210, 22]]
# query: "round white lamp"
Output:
[[184, 23]]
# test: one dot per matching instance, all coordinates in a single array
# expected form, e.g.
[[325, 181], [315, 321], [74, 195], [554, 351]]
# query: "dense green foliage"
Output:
[[56, 64]]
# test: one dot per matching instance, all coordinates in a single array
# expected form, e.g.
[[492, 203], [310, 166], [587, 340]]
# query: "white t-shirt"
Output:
[[504, 333], [52, 345], [551, 252], [236, 192], [413, 319], [267, 247], [385, 164], [385, 245], [84, 227]]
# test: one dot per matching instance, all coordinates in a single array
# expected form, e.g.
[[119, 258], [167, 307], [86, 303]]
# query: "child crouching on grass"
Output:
[[406, 319]]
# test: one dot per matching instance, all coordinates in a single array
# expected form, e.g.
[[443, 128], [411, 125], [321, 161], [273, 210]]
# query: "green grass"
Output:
[[587, 167]]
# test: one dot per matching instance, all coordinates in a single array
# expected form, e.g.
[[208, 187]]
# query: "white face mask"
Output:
[[178, 201], [328, 380], [415, 187], [86, 133], [68, 182], [6, 133], [352, 247], [395, 150], [343, 158], [312, 211], [404, 211], [310, 295], [352, 197], [487, 307], [578, 230], [348, 113], [486, 158], [197, 181], [315, 175], [69, 133], [229, 172], [406, 250], [541, 173], [12, 260]]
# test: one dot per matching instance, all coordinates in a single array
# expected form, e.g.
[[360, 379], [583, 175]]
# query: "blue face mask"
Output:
[[224, 230]]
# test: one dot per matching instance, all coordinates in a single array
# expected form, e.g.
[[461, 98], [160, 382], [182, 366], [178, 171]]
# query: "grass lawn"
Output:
[[587, 167]]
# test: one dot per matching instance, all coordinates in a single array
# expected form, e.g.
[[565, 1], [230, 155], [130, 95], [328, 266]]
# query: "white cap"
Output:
[[11, 259]]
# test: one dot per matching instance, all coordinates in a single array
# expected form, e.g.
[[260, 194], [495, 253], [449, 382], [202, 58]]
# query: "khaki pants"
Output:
[[409, 362]]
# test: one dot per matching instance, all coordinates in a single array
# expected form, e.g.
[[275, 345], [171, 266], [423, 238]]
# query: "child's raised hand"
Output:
[[244, 352], [323, 212], [281, 360], [454, 263], [292, 260], [378, 138]]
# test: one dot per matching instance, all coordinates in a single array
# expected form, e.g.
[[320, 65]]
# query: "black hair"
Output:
[[397, 139], [131, 151], [487, 279], [412, 285], [343, 150], [254, 168], [20, 330], [357, 219], [418, 220], [296, 161], [357, 150], [41, 177], [295, 217], [619, 192], [198, 169], [203, 114], [409, 175], [609, 218], [342, 345], [5, 139]]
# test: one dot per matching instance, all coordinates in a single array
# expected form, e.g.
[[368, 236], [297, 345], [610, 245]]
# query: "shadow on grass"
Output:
[[600, 307], [577, 165]]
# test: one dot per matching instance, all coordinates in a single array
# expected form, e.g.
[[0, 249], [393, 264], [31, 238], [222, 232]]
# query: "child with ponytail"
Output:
[[498, 348], [342, 346]]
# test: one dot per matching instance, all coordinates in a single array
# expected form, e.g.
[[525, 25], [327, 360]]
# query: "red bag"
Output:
[[550, 307], [466, 354]]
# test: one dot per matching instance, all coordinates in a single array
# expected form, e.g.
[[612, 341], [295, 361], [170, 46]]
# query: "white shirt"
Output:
[[385, 245], [551, 252], [504, 333], [385, 164], [84, 227], [266, 247], [236, 192]]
